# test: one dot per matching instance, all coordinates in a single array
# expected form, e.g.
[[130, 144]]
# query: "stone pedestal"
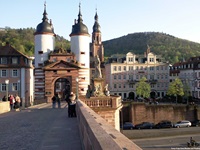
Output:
[[98, 87]]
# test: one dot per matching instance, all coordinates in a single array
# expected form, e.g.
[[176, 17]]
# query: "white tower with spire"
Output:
[[44, 44], [44, 40], [80, 46]]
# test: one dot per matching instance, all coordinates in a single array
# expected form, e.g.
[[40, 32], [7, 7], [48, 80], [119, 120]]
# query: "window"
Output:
[[115, 86], [124, 76], [3, 60], [119, 76], [82, 52], [15, 73], [130, 85], [115, 77], [119, 68], [157, 67], [119, 85], [15, 87], [151, 68], [151, 59], [3, 73], [3, 87], [130, 59], [151, 77], [40, 52], [124, 68], [14, 60], [114, 68]]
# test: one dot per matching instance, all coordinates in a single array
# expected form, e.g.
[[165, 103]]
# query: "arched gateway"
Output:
[[62, 86]]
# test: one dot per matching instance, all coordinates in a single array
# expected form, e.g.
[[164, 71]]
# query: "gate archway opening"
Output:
[[153, 95], [63, 87], [131, 96]]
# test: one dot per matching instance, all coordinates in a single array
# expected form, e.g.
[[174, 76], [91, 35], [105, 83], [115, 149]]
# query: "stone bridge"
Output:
[[95, 132]]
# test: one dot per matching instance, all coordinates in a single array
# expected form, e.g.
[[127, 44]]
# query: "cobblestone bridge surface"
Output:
[[39, 128]]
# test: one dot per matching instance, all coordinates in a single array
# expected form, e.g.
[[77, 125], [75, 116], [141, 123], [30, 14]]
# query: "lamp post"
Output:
[[19, 87], [77, 88], [7, 82]]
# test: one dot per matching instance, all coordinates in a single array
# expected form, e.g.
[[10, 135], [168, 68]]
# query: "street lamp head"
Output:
[[76, 79], [18, 81], [7, 81]]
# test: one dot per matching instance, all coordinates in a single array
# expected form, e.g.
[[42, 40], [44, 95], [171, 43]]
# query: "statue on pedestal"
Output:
[[106, 91], [97, 68]]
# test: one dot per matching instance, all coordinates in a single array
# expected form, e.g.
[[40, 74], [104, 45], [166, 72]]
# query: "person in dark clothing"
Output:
[[72, 105], [54, 101], [4, 98]]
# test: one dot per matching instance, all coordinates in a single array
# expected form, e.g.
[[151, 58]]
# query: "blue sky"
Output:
[[180, 18]]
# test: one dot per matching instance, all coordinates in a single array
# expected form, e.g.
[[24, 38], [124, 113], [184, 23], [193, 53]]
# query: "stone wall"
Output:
[[97, 134], [4, 107], [141, 112]]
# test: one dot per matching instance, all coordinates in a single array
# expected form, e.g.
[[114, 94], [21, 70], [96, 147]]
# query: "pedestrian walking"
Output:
[[17, 101], [12, 102], [54, 101], [4, 98], [58, 100], [72, 105]]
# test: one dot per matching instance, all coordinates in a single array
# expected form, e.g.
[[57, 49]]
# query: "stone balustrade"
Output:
[[97, 134], [103, 102], [4, 107]]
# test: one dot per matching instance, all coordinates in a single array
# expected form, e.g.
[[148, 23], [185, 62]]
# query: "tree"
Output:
[[176, 88], [187, 89], [143, 88]]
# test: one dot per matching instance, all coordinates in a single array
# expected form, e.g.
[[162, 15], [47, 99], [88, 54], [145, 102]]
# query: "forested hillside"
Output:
[[23, 40], [171, 48]]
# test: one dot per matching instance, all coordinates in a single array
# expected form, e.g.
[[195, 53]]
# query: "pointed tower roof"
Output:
[[96, 26], [44, 26], [78, 27]]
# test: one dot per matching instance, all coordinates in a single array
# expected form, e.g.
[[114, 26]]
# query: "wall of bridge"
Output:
[[98, 134], [142, 112], [4, 107]]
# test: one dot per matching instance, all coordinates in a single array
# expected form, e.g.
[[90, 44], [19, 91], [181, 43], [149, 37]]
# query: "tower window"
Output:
[[82, 52], [40, 52], [82, 64]]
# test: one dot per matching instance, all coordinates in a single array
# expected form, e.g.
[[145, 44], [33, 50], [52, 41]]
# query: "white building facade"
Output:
[[189, 73], [122, 74]]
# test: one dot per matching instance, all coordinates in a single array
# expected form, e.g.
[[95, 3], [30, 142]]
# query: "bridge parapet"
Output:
[[97, 134], [4, 107], [103, 102]]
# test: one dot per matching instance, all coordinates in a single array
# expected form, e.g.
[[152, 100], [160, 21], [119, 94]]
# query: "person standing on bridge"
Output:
[[72, 105], [54, 101]]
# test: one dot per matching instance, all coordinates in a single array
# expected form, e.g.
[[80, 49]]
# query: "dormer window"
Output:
[[3, 60], [14, 60], [151, 59]]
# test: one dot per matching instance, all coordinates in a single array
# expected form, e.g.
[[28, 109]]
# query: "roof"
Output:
[[79, 28], [45, 27], [8, 50], [61, 65]]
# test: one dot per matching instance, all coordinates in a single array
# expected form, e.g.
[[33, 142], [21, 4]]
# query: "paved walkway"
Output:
[[39, 128]]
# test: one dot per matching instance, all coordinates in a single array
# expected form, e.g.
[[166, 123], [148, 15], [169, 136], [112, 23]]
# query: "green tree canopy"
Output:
[[176, 88], [143, 88]]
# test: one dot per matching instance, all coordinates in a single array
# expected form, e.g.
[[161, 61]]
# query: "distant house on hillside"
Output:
[[2, 29]]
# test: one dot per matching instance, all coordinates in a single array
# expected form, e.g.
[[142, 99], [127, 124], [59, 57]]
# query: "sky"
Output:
[[180, 18]]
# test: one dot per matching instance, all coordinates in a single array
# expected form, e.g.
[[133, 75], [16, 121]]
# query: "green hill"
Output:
[[23, 40], [171, 48]]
